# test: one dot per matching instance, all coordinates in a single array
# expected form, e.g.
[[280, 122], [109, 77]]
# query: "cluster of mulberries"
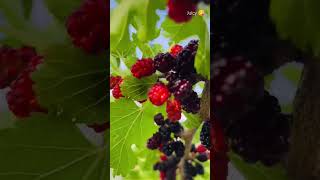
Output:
[[167, 141], [174, 88], [115, 82], [13, 62], [251, 118], [88, 26], [15, 73], [263, 134], [236, 87], [163, 138], [177, 67]]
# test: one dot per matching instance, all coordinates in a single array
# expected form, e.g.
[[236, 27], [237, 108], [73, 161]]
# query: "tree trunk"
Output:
[[304, 155]]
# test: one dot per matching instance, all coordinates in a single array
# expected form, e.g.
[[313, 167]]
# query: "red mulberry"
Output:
[[115, 80], [173, 110], [21, 97], [178, 10], [89, 27], [175, 50], [158, 94], [13, 62], [142, 68], [116, 92]]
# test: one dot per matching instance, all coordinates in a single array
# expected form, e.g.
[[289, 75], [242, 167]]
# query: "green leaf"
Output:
[[62, 10], [293, 74], [143, 19], [7, 120], [27, 7], [13, 13], [267, 80], [258, 171], [114, 66], [148, 51], [49, 149], [146, 18], [119, 23], [179, 32], [202, 61], [130, 125], [137, 89], [192, 121], [130, 60], [73, 84], [299, 22], [287, 108]]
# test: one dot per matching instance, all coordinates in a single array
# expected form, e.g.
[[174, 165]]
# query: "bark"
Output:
[[304, 155]]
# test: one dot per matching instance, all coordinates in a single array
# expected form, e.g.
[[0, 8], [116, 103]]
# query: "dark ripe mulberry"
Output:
[[167, 149], [164, 62], [159, 119], [181, 89], [172, 76], [154, 142], [192, 46], [205, 134], [199, 169], [175, 127], [191, 104], [165, 133], [156, 166], [189, 169], [185, 59], [179, 148], [202, 157], [142, 68]]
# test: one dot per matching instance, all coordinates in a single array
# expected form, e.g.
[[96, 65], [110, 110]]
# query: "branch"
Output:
[[187, 136]]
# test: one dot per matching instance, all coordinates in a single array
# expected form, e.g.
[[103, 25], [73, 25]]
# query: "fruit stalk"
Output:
[[187, 136], [205, 102], [304, 156]]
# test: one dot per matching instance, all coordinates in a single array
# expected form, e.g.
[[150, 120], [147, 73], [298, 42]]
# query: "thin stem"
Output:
[[187, 136]]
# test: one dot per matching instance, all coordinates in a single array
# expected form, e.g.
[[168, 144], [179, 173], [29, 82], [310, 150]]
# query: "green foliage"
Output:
[[142, 19], [192, 121], [27, 7], [7, 120], [19, 31], [49, 149], [258, 171], [130, 125], [292, 73], [298, 21], [137, 89], [73, 84], [267, 80], [61, 12]]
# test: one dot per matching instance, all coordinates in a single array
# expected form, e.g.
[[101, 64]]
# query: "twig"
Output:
[[187, 136]]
